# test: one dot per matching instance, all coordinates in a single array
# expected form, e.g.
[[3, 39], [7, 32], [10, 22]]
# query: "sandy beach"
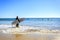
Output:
[[16, 34], [29, 36]]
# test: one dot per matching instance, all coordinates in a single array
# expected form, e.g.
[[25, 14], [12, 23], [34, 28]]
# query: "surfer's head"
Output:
[[16, 17]]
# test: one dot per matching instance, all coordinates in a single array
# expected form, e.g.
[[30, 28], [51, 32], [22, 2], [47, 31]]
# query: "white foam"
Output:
[[10, 29]]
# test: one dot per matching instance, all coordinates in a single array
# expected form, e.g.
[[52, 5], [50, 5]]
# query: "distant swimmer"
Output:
[[17, 21]]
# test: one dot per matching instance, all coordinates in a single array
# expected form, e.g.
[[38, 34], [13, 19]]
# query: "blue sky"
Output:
[[29, 8]]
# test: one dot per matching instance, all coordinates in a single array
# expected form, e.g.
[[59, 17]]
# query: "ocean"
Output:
[[42, 23], [30, 29]]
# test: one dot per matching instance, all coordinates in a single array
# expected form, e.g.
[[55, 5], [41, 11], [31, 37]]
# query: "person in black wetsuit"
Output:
[[17, 25], [17, 21]]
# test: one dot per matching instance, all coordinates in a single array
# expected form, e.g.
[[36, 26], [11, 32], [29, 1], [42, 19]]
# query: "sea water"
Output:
[[41, 23]]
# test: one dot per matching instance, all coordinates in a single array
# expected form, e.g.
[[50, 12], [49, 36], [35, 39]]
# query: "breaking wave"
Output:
[[24, 29]]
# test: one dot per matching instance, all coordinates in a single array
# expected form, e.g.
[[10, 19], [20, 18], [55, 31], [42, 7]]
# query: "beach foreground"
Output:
[[29, 34]]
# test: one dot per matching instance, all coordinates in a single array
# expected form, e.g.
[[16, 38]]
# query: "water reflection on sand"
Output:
[[29, 36]]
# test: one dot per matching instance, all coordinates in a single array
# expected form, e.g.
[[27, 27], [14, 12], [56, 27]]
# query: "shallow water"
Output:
[[42, 23]]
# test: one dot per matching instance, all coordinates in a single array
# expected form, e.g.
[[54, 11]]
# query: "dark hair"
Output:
[[16, 17]]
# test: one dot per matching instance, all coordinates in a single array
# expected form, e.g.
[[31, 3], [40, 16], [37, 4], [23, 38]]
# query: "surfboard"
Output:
[[18, 21]]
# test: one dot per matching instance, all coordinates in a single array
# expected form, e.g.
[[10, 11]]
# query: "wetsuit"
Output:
[[17, 25]]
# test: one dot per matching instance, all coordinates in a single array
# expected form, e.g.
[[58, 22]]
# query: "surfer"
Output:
[[17, 21], [17, 25]]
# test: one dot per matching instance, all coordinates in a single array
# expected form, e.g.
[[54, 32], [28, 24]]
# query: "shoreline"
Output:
[[26, 30], [28, 33]]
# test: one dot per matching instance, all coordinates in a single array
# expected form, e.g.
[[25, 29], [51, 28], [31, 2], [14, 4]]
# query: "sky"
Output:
[[30, 8]]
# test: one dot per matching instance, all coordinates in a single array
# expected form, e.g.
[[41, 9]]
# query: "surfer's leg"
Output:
[[17, 25]]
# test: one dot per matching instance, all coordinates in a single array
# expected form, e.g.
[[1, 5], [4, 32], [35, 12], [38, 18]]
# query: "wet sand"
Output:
[[29, 36]]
